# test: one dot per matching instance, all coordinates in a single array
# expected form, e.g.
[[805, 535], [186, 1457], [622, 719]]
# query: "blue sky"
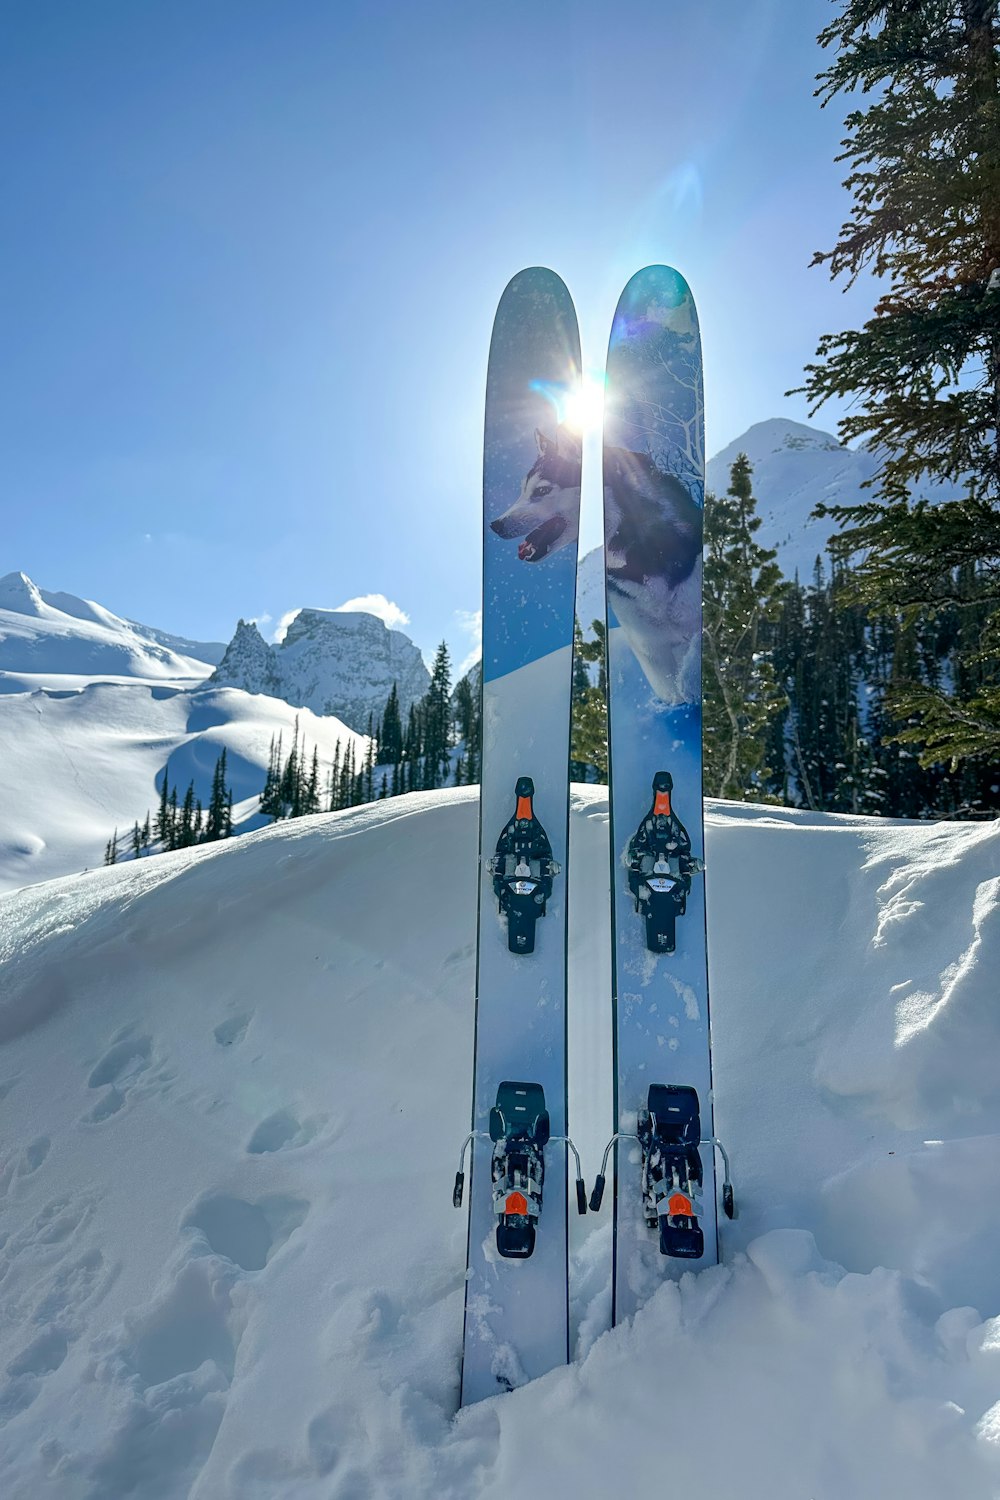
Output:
[[252, 251]]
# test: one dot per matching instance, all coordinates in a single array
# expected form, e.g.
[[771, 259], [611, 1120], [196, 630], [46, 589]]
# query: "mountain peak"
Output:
[[335, 662], [20, 595], [779, 434]]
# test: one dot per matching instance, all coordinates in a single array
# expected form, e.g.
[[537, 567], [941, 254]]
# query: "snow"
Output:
[[42, 632], [234, 1083], [79, 758]]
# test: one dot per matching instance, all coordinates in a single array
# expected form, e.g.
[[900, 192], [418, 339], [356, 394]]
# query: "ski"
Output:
[[516, 1292], [665, 1219]]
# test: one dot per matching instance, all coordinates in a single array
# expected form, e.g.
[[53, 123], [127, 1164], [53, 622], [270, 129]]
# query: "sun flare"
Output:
[[584, 404]]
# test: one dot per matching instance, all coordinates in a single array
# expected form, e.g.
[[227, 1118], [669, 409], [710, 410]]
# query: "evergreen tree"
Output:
[[924, 371], [370, 768], [162, 825], [216, 821], [742, 592], [136, 840], [437, 721], [146, 834], [290, 786], [589, 708], [334, 783], [468, 725], [390, 740], [111, 850], [270, 797], [186, 835], [311, 799], [173, 828]]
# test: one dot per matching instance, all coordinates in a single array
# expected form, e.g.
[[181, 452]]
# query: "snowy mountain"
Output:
[[332, 661], [235, 1081], [46, 634], [794, 468]]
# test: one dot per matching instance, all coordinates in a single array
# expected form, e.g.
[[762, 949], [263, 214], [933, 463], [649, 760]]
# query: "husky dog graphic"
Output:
[[653, 539], [547, 511]]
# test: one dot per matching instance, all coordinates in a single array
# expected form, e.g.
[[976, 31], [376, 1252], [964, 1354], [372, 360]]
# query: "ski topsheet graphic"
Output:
[[516, 1304], [654, 495]]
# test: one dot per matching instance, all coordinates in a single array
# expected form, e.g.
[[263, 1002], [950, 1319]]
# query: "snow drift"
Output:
[[234, 1081]]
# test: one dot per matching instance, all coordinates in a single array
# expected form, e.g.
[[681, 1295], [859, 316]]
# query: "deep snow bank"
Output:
[[233, 1084]]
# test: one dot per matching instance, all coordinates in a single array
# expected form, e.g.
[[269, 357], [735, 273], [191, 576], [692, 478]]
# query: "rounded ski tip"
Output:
[[533, 281], [654, 299]]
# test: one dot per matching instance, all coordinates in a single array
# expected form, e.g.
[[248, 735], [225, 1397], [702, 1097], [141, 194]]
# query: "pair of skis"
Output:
[[517, 1284]]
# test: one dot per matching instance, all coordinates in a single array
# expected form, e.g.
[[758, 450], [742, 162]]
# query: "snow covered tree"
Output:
[[742, 592], [924, 371]]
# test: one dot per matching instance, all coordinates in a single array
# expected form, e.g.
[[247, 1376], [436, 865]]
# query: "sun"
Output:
[[583, 404]]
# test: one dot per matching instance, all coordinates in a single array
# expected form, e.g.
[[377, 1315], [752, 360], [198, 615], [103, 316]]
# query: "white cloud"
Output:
[[281, 629], [378, 605], [470, 622]]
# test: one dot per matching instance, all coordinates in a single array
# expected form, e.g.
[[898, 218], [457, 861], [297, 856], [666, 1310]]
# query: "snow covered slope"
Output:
[[235, 1081], [43, 633], [79, 762], [339, 662], [795, 467]]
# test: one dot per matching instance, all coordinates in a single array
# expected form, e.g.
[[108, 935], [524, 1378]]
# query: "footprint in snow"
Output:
[[246, 1233], [125, 1065], [32, 1156], [123, 1061], [231, 1031], [282, 1131]]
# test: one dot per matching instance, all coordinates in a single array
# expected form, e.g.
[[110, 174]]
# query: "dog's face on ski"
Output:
[[653, 541], [547, 511]]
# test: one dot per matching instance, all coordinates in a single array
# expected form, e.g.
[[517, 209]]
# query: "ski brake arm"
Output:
[[599, 1180], [581, 1186], [459, 1188], [728, 1201]]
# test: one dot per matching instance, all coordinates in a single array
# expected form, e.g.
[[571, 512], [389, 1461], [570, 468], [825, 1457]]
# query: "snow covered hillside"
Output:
[[795, 467], [234, 1084], [78, 762], [44, 633]]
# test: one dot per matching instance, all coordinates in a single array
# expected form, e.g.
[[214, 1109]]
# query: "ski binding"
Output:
[[519, 1130], [522, 870], [660, 866], [669, 1136]]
